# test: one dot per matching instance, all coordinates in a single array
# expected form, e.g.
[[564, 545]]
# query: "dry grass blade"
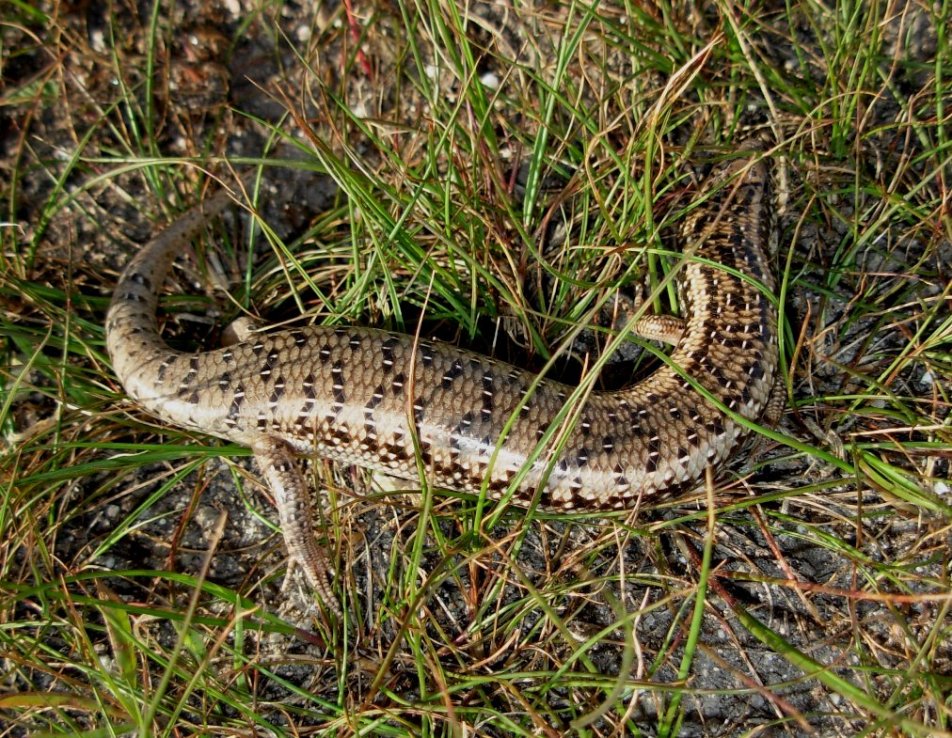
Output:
[[491, 175]]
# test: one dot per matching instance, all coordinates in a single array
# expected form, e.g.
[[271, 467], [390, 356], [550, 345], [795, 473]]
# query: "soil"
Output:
[[225, 75]]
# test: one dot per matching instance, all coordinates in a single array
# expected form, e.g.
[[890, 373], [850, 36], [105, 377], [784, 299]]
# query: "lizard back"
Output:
[[381, 400]]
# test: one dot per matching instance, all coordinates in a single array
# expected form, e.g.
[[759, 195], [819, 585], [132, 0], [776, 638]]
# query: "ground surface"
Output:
[[487, 173]]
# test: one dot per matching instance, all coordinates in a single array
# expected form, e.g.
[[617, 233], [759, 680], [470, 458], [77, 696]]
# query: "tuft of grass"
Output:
[[420, 163]]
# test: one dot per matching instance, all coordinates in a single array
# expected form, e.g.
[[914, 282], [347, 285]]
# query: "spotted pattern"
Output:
[[367, 396]]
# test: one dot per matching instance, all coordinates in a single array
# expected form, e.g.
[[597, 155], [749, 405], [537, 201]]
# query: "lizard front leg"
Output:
[[293, 500]]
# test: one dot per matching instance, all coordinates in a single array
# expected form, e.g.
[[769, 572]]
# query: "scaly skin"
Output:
[[365, 396]]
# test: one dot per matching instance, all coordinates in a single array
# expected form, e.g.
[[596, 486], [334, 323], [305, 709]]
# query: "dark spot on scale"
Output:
[[278, 392], [452, 374], [236, 401], [673, 489], [488, 395], [340, 435], [396, 451], [496, 485], [620, 479], [376, 399], [717, 374], [738, 240], [426, 451], [714, 427], [386, 349], [709, 327], [464, 423], [653, 447], [745, 395], [732, 342], [396, 386], [139, 278], [337, 376], [526, 492], [749, 193]]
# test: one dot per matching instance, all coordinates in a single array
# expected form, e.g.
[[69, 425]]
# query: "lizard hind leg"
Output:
[[776, 403], [295, 512]]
